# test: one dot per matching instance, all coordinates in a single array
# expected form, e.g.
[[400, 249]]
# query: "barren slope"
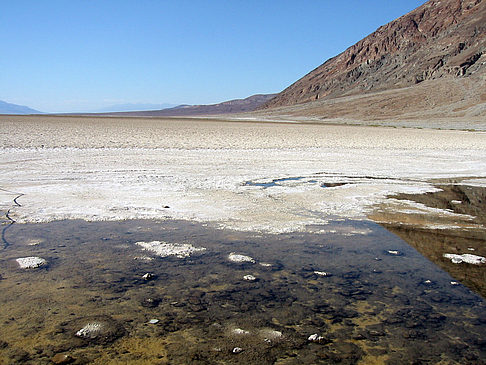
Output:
[[441, 40]]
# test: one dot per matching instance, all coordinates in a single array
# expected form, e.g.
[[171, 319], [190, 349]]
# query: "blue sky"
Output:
[[77, 55]]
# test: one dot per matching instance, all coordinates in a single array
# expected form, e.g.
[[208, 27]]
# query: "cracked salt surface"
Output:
[[199, 170]]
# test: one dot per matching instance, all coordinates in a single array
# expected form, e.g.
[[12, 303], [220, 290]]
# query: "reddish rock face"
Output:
[[442, 38]]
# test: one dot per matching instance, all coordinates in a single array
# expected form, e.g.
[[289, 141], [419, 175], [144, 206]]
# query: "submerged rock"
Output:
[[466, 258], [95, 329], [31, 262], [61, 359], [90, 330]]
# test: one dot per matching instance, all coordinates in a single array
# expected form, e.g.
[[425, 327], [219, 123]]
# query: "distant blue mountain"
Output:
[[132, 107], [8, 108]]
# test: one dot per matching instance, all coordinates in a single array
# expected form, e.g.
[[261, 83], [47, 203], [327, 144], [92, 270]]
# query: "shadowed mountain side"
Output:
[[440, 40], [228, 107]]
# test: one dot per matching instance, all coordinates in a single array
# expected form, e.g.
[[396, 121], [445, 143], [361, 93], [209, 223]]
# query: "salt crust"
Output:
[[164, 249], [234, 257], [198, 169], [466, 258], [31, 262]]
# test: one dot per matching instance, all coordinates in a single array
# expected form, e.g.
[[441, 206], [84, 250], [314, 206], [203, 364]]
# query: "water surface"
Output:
[[368, 295]]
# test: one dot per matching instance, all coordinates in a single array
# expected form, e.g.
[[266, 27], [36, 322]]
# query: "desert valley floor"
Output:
[[184, 240]]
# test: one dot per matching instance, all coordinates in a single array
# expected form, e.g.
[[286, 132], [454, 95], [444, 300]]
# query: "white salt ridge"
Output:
[[234, 257], [91, 330], [466, 258], [165, 249], [31, 262]]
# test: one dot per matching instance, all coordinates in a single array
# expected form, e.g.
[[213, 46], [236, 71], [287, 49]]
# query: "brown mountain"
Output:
[[228, 107], [432, 57]]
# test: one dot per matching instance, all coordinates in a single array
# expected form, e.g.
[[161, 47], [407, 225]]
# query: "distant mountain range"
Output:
[[129, 107], [430, 61], [8, 108], [228, 107]]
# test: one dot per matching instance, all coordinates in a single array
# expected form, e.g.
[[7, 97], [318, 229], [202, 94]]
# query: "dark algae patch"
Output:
[[287, 299]]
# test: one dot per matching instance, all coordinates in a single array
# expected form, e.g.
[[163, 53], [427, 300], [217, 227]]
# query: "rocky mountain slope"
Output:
[[442, 41]]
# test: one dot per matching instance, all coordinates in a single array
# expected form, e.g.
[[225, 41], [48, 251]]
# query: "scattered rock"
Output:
[[315, 338], [150, 302], [234, 257], [249, 278], [148, 276], [31, 262]]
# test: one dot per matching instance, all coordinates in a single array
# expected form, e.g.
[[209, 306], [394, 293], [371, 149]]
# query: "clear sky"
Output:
[[77, 55]]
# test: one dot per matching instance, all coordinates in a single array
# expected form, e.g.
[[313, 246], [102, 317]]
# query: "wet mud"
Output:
[[366, 295]]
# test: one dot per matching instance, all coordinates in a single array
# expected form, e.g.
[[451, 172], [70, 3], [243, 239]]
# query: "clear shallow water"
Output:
[[374, 306]]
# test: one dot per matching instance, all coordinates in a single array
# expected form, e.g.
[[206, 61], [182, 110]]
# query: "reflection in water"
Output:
[[434, 243], [312, 298]]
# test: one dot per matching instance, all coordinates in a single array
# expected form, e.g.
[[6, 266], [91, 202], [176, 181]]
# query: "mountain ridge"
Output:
[[227, 107], [9, 108], [438, 40]]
